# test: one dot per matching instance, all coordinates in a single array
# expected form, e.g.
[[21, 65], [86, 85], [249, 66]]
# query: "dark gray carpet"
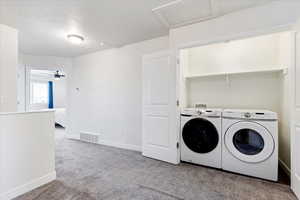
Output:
[[89, 172]]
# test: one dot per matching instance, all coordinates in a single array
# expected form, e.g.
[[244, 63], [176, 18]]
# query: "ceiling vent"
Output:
[[183, 12]]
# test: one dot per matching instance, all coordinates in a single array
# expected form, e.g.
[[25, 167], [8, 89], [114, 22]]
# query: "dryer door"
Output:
[[249, 142], [200, 135]]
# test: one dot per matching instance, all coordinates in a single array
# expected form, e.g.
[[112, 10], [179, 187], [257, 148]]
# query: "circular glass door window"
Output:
[[248, 141], [200, 135]]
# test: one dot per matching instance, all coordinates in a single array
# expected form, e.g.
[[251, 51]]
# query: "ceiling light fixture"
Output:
[[75, 39], [58, 75], [101, 44]]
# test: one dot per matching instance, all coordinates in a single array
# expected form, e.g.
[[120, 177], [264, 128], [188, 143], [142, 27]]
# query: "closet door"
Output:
[[159, 108], [295, 119]]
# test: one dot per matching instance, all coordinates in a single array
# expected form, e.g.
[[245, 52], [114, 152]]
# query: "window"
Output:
[[39, 92]]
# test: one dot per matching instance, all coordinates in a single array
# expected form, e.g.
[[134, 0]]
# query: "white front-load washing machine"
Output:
[[250, 143], [201, 137]]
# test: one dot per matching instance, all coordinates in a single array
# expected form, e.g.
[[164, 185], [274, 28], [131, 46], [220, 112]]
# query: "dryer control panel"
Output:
[[201, 112]]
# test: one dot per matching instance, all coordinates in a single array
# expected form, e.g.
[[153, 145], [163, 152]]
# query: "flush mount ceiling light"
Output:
[[75, 39], [102, 44]]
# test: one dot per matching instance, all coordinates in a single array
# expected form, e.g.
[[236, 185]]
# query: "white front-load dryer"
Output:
[[250, 143], [201, 137]]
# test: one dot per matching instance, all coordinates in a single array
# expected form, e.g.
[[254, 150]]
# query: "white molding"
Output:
[[120, 145], [109, 143], [15, 192], [284, 166], [73, 136]]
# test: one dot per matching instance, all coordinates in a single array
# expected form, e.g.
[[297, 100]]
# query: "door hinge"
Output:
[[178, 61], [177, 102], [177, 145]]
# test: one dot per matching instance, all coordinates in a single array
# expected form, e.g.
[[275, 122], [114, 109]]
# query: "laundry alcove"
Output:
[[248, 73]]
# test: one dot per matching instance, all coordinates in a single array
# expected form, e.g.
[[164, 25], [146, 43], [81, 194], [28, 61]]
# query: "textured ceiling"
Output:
[[44, 24]]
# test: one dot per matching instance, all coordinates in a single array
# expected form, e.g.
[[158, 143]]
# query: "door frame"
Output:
[[293, 124], [28, 69]]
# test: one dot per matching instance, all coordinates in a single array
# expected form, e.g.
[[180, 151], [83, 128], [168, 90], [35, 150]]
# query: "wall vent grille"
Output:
[[89, 137]]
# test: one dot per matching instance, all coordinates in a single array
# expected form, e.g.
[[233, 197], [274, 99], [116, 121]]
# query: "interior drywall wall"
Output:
[[27, 157], [106, 93], [250, 54], [29, 62], [246, 91], [8, 68], [255, 53], [60, 93], [21, 88]]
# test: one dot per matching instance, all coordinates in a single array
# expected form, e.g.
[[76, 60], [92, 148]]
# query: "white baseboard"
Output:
[[15, 192], [73, 136], [109, 143], [120, 145], [286, 169]]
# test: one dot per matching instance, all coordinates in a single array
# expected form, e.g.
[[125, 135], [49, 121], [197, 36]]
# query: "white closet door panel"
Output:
[[159, 108]]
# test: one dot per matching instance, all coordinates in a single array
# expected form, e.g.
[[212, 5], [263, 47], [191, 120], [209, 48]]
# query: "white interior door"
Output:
[[160, 134], [295, 122]]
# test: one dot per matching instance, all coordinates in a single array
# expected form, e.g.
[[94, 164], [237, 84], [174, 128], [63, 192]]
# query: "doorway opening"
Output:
[[47, 89]]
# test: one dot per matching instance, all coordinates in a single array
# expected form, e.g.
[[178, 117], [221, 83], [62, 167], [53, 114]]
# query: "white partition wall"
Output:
[[8, 68], [26, 152]]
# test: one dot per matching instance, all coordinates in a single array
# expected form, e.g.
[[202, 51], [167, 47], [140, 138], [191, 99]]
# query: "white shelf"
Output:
[[283, 70]]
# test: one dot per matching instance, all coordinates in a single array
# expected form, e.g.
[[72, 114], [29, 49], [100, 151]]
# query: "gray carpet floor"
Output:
[[89, 172]]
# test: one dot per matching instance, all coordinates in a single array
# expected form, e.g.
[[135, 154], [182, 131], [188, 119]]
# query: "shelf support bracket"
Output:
[[228, 79], [285, 71]]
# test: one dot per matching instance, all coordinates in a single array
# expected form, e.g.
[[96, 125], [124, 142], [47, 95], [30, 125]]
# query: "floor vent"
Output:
[[89, 137]]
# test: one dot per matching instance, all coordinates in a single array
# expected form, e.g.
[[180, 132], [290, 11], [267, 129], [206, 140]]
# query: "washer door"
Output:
[[249, 142], [200, 135]]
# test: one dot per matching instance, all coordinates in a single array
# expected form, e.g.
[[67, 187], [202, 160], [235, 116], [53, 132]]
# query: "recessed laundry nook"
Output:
[[245, 73], [150, 100]]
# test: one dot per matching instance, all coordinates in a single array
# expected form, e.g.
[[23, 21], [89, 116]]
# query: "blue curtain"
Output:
[[50, 94]]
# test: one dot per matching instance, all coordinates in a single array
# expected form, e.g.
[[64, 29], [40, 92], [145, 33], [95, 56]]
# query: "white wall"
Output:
[[247, 91], [255, 53], [21, 71], [258, 90], [45, 62], [8, 68], [60, 93], [26, 152], [108, 101]]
